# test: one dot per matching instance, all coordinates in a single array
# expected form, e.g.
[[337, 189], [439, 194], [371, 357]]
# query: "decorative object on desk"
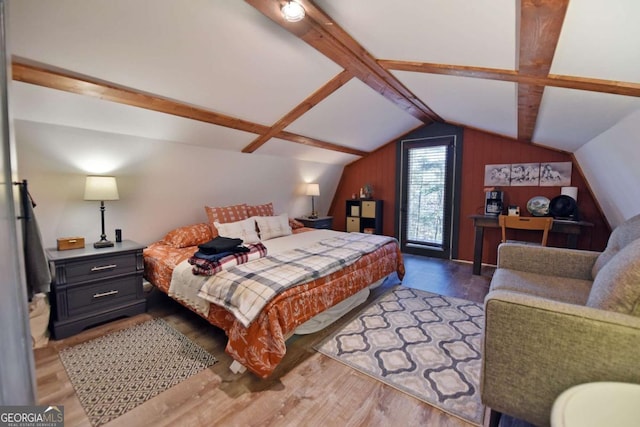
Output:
[[101, 188], [538, 206], [313, 190], [564, 207], [555, 174], [513, 210], [570, 191], [66, 243], [118, 235]]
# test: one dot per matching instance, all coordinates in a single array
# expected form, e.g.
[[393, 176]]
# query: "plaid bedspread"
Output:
[[245, 289], [206, 267]]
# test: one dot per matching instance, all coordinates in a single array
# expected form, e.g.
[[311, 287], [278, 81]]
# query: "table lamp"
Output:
[[313, 190], [101, 188]]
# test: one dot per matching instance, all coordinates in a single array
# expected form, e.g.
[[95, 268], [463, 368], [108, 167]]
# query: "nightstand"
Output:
[[320, 222], [91, 286]]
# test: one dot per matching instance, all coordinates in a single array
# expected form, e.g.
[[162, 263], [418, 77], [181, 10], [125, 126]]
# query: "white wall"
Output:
[[162, 184], [611, 164]]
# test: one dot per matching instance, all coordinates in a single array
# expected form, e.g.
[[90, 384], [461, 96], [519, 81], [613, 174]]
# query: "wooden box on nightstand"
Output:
[[91, 286], [320, 222]]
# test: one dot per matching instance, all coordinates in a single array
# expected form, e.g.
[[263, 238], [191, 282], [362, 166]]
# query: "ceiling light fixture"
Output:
[[293, 11]]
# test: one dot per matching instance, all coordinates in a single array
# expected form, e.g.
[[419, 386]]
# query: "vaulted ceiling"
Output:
[[348, 78]]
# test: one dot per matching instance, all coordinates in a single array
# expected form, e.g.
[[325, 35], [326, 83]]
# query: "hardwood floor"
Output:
[[307, 389]]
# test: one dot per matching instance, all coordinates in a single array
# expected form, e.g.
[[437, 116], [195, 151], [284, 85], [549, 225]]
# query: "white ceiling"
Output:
[[227, 57]]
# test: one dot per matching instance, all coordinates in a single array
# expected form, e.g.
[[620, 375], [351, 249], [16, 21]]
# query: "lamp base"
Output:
[[103, 244]]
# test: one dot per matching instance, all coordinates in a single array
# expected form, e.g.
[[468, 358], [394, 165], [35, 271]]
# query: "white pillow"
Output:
[[245, 230], [273, 226]]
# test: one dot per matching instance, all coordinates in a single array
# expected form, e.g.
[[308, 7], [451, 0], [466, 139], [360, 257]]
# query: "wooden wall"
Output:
[[479, 149], [377, 169]]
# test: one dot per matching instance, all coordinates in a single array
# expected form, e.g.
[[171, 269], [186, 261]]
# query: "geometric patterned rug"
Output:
[[115, 373], [424, 344]]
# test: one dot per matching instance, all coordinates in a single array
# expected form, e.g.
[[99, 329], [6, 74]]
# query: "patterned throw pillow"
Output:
[[295, 224], [260, 210], [225, 214], [189, 235], [273, 226], [245, 230]]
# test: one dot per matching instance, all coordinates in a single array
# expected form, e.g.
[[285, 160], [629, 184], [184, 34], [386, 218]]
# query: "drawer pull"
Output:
[[104, 267], [105, 294]]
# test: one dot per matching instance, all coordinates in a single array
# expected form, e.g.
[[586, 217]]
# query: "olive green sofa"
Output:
[[555, 318]]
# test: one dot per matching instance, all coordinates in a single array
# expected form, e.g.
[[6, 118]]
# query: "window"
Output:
[[427, 194], [426, 188]]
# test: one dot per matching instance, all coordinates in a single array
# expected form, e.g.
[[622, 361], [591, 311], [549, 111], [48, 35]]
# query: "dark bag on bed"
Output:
[[221, 244]]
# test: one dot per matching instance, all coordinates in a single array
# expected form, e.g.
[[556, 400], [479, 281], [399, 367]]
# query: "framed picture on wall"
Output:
[[497, 175], [523, 174], [555, 174]]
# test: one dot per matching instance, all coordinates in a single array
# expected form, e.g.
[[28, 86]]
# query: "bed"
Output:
[[260, 344]]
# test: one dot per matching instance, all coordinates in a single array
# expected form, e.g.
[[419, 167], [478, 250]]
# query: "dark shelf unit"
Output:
[[364, 216]]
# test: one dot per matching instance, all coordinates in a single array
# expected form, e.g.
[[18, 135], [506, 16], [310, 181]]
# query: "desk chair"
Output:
[[525, 223]]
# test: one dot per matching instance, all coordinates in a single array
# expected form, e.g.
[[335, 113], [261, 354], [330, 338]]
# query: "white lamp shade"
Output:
[[101, 188], [313, 190]]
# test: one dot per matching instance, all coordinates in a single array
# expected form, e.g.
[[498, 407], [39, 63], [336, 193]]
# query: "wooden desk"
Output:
[[571, 228]]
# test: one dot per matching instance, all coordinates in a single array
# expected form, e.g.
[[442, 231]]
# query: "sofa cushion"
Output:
[[617, 285], [624, 234], [564, 289]]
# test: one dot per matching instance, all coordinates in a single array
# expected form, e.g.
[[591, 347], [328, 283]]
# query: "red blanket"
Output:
[[209, 268]]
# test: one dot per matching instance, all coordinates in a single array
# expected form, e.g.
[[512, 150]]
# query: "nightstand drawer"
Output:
[[97, 268], [324, 223], [105, 294]]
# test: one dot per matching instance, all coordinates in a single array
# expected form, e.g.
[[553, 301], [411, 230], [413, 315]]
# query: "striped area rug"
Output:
[[115, 373], [424, 344]]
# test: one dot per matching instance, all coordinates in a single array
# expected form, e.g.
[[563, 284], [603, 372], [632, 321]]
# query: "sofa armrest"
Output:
[[535, 348], [560, 262]]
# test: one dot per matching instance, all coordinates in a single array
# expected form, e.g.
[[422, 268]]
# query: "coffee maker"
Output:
[[493, 203]]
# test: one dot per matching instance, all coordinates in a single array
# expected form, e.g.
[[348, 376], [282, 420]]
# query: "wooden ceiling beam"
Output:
[[82, 85], [312, 142], [567, 82], [540, 25], [325, 35], [451, 70], [314, 99], [593, 85]]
